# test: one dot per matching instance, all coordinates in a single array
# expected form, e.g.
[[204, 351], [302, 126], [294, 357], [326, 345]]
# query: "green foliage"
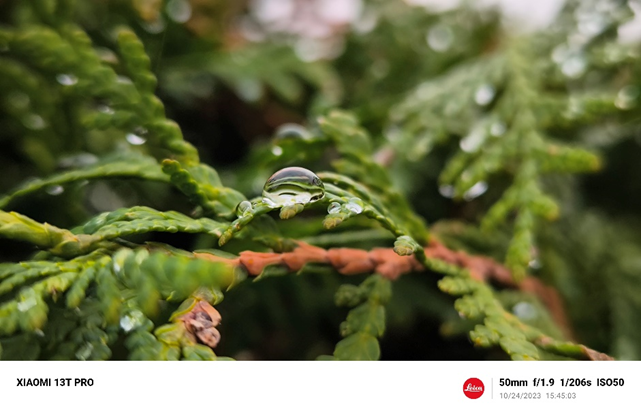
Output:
[[500, 122], [365, 322]]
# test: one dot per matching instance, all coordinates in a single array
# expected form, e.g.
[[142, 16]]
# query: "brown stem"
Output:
[[351, 261]]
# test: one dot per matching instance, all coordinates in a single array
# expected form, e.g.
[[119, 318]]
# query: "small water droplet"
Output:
[[27, 303], [277, 150], [34, 122], [355, 205], [155, 26], [293, 185], [121, 79], [292, 131], [626, 97], [314, 49], [393, 133], [440, 38], [446, 190], [249, 89], [534, 263], [105, 109], [54, 189], [524, 310], [590, 22], [484, 94], [476, 190], [132, 320], [84, 352], [66, 79], [366, 23], [78, 160], [574, 66], [179, 10], [473, 141], [244, 208], [334, 208], [135, 140]]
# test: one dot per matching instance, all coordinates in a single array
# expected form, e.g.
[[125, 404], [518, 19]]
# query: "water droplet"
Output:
[[34, 122], [84, 352], [155, 26], [440, 38], [626, 97], [334, 208], [484, 94], [366, 23], [524, 310], [244, 208], [309, 49], [54, 189], [179, 10], [132, 320], [249, 89], [66, 79], [476, 190], [135, 140], [446, 190], [293, 185], [574, 66], [534, 263], [473, 141], [105, 109], [121, 79], [78, 160], [393, 133], [355, 205], [27, 303], [293, 131], [277, 150]]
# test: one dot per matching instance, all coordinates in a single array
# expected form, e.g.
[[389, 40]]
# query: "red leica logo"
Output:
[[473, 388]]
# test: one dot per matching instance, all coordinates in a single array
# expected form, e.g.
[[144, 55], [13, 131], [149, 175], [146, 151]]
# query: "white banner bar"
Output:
[[317, 388]]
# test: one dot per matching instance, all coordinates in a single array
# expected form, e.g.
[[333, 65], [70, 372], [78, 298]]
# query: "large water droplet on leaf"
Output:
[[293, 185]]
